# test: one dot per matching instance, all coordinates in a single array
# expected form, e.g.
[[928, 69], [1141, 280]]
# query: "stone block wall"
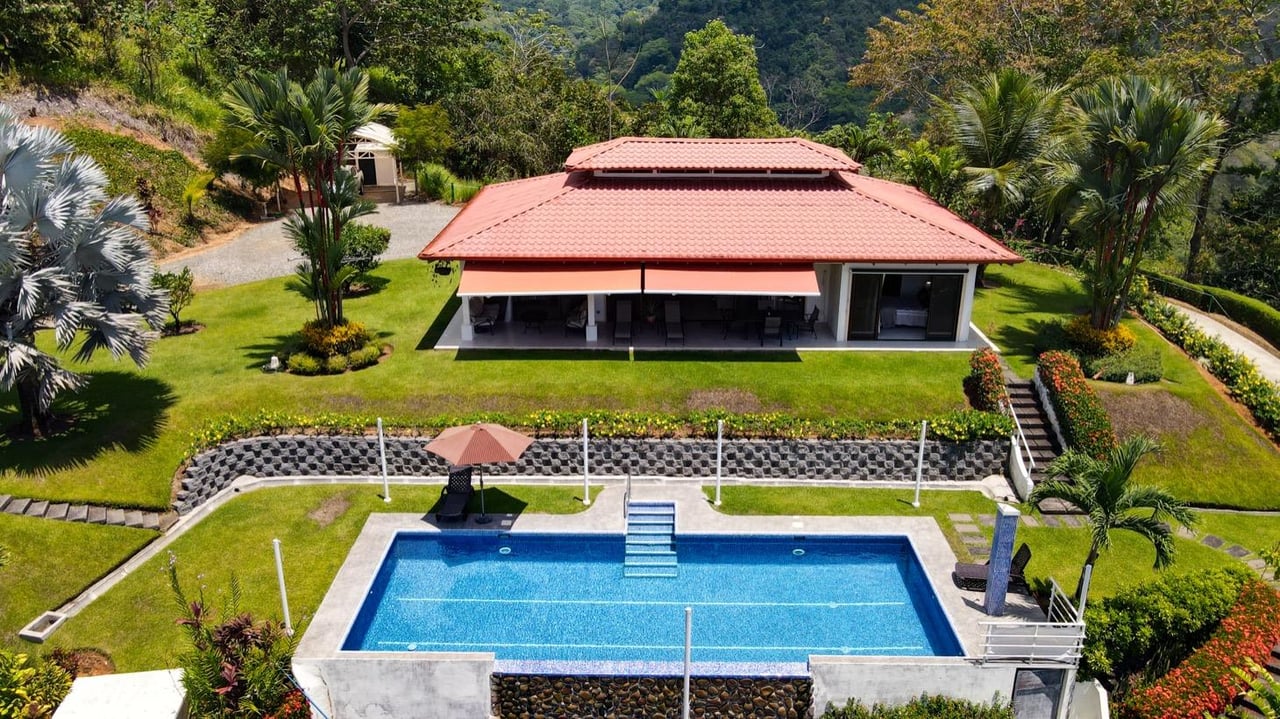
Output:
[[532, 696], [321, 455]]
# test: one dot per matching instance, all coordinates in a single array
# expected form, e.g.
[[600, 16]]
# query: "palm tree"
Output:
[[306, 132], [1002, 124], [1104, 491], [1133, 158], [934, 171], [72, 260]]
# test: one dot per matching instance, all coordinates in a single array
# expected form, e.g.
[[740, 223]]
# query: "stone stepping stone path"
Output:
[[1253, 561], [86, 513]]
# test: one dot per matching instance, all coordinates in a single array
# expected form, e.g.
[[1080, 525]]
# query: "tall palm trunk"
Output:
[[1093, 557]]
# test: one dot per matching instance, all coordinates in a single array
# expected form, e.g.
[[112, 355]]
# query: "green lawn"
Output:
[[134, 426], [316, 527], [1211, 457], [1254, 532], [51, 562]]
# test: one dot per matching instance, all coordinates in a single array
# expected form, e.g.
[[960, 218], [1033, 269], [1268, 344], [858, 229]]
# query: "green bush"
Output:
[[365, 356], [1145, 630], [1080, 413], [1144, 362], [438, 183], [365, 244], [923, 707], [304, 364], [322, 340], [1084, 337], [1254, 314], [985, 383], [30, 689], [336, 364]]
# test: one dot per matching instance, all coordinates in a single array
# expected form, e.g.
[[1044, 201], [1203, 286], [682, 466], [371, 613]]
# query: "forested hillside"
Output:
[[586, 20], [805, 50]]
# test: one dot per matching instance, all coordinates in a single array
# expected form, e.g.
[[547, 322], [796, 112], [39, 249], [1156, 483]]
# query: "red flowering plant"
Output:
[[1083, 419], [985, 383], [1205, 682]]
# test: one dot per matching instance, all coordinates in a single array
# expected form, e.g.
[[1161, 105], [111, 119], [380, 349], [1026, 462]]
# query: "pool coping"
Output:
[[328, 630]]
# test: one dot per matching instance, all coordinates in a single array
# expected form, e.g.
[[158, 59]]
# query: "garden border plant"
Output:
[[985, 383], [1206, 682], [1084, 420], [1252, 313], [960, 426]]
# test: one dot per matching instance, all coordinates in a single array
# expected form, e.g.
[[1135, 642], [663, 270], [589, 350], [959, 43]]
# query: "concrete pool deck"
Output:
[[694, 515]]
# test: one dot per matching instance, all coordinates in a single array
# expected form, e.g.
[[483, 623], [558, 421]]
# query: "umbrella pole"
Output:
[[484, 518]]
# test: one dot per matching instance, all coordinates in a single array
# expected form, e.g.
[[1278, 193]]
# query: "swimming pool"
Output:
[[541, 600]]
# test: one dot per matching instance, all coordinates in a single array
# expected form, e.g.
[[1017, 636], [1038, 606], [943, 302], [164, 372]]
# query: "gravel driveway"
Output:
[[263, 251]]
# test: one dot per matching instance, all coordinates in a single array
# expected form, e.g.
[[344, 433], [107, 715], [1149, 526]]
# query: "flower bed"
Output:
[[985, 383], [1084, 420], [1205, 682], [1237, 372], [960, 426]]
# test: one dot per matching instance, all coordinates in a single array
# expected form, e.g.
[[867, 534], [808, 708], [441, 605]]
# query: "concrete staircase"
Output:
[[650, 548], [1039, 433]]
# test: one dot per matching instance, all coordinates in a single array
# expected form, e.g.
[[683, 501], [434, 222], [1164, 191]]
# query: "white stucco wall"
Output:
[[398, 686], [836, 680]]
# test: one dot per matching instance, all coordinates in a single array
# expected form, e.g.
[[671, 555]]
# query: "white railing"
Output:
[[1022, 437], [626, 501], [1059, 640]]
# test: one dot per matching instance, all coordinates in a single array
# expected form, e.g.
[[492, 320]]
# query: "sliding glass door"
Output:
[[864, 306]]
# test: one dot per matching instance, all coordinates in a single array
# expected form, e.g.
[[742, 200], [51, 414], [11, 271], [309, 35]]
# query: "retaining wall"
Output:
[[524, 696], [320, 455]]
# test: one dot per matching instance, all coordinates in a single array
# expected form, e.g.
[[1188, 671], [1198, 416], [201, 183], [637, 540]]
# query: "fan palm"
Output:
[[1002, 124], [1133, 158], [1103, 489], [72, 260], [306, 132]]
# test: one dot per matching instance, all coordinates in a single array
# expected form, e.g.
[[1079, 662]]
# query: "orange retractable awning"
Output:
[[486, 279], [775, 280]]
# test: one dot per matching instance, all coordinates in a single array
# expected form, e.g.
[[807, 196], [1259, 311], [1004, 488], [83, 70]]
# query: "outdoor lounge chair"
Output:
[[577, 319], [483, 315], [622, 321], [456, 494], [974, 576], [675, 325]]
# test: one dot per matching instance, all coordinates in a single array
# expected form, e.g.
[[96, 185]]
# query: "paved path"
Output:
[[263, 251], [1267, 363]]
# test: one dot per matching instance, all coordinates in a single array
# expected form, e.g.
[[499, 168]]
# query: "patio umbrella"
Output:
[[477, 444]]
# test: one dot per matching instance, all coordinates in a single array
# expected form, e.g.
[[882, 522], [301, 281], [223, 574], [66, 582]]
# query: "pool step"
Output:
[[650, 542]]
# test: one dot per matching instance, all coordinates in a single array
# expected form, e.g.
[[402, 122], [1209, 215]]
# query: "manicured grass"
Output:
[[316, 527], [862, 501], [134, 426], [1060, 552], [51, 562], [1254, 532], [1211, 457]]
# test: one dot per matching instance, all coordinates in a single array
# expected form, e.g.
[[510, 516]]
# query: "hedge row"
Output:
[[1084, 421], [960, 426], [1237, 372], [1254, 314], [1205, 682]]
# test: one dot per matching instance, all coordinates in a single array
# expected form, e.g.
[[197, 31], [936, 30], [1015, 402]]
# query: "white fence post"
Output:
[[382, 455], [719, 455], [924, 428], [586, 467], [284, 596]]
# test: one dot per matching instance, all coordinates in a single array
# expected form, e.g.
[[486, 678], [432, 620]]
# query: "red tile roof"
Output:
[[841, 218], [790, 154]]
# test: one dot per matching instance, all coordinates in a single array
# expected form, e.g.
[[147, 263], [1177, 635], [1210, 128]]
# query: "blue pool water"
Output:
[[563, 598]]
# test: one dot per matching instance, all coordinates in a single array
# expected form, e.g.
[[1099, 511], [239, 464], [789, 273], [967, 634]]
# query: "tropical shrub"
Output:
[[304, 364], [1083, 419], [957, 426], [1237, 372], [923, 707], [1089, 340], [1270, 556], [336, 364], [1140, 633], [31, 690], [295, 706], [438, 183], [985, 383], [364, 245], [235, 665], [179, 285], [1144, 362], [323, 340], [1206, 682], [365, 356]]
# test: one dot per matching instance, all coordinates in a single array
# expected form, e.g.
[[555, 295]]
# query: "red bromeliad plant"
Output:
[[1205, 682], [1083, 418]]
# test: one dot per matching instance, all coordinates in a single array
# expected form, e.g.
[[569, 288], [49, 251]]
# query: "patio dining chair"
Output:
[[622, 321], [810, 323], [674, 323], [771, 328]]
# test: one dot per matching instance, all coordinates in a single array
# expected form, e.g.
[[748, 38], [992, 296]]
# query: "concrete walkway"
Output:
[[263, 251], [1268, 364]]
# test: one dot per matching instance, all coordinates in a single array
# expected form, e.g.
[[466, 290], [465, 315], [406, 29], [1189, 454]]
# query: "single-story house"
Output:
[[724, 231], [373, 156]]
